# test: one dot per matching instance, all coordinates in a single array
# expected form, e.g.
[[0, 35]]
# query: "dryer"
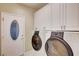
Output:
[[57, 46]]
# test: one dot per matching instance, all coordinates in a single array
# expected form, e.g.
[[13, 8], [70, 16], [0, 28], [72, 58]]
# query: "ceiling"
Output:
[[34, 6]]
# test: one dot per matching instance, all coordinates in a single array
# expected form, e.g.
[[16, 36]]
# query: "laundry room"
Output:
[[39, 29]]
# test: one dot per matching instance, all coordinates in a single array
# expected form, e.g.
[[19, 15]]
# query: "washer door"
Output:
[[57, 47], [36, 41]]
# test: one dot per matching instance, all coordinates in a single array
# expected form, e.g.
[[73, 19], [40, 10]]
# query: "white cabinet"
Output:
[[58, 16], [65, 16], [50, 17], [42, 17], [72, 16]]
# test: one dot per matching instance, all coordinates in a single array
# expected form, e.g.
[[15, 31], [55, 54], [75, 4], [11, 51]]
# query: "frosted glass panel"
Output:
[[14, 30]]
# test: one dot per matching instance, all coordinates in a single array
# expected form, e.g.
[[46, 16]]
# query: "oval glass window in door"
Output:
[[57, 47], [14, 30]]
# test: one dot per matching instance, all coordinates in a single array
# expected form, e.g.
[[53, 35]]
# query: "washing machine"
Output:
[[12, 34], [38, 43], [56, 45], [52, 43]]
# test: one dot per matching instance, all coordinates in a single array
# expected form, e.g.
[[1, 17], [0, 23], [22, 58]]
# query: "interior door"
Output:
[[14, 35]]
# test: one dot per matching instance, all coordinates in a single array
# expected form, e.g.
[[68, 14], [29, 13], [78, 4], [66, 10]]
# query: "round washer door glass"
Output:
[[36, 41], [14, 30], [57, 47]]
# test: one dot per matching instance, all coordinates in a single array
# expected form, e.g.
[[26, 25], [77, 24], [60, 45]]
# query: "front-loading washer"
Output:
[[56, 45], [38, 43]]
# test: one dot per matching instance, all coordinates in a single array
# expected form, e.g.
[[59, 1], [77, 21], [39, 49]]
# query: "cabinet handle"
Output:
[[3, 55], [44, 28], [36, 28], [64, 27], [61, 27]]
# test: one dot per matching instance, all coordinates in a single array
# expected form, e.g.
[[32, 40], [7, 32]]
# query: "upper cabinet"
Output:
[[72, 16], [58, 16], [42, 18]]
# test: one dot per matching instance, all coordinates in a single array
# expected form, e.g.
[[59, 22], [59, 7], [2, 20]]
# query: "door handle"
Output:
[[3, 55]]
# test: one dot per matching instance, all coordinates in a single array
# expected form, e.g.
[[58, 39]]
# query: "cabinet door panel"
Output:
[[72, 17], [58, 15], [42, 17]]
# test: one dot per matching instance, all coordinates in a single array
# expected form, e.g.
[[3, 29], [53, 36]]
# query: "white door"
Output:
[[10, 46]]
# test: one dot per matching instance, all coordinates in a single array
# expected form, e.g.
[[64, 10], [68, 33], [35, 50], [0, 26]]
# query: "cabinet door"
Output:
[[42, 18], [56, 16], [72, 16]]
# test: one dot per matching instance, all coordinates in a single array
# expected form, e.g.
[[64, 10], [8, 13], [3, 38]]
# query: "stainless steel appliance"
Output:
[[57, 46]]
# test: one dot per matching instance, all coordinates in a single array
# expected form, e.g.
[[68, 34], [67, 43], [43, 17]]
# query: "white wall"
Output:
[[21, 9]]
